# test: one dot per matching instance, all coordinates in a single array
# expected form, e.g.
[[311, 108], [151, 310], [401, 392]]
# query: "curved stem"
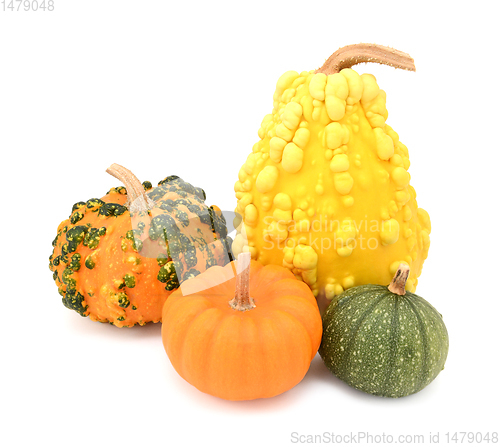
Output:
[[242, 300], [137, 198], [351, 55], [398, 283]]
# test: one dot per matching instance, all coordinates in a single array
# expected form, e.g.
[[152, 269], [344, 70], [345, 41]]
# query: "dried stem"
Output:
[[398, 283], [242, 300], [351, 55], [137, 198]]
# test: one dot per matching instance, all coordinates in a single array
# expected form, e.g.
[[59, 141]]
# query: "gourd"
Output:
[[249, 332], [384, 340], [325, 191], [118, 258]]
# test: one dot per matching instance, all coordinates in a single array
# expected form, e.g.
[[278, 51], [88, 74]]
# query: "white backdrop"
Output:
[[181, 88]]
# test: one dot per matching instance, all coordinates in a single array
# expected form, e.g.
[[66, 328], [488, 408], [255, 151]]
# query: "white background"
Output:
[[181, 88]]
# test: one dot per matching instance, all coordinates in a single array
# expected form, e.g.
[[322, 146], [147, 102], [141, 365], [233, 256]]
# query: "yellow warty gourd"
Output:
[[325, 191]]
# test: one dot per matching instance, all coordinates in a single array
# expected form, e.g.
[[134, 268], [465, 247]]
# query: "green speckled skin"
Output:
[[382, 343]]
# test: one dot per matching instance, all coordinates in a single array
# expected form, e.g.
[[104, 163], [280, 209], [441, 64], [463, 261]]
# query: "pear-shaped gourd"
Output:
[[325, 191]]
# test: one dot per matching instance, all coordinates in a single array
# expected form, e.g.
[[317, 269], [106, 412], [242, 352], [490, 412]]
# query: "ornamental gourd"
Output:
[[383, 340], [255, 342], [325, 192], [117, 259]]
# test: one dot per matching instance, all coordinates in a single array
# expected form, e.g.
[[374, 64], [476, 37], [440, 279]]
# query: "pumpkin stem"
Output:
[[137, 199], [351, 55], [398, 283], [242, 300]]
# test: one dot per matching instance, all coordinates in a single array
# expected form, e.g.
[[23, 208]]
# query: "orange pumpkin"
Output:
[[256, 342], [117, 259]]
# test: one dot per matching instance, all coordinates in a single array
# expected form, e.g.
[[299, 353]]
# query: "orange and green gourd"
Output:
[[118, 258], [326, 190]]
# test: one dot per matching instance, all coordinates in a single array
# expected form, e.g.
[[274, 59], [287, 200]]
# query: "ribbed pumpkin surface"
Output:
[[242, 355], [383, 343]]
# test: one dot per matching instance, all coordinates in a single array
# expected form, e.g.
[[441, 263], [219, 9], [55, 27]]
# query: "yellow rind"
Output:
[[325, 191]]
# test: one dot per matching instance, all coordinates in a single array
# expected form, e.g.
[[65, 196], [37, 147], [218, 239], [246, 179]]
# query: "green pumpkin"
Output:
[[383, 340]]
